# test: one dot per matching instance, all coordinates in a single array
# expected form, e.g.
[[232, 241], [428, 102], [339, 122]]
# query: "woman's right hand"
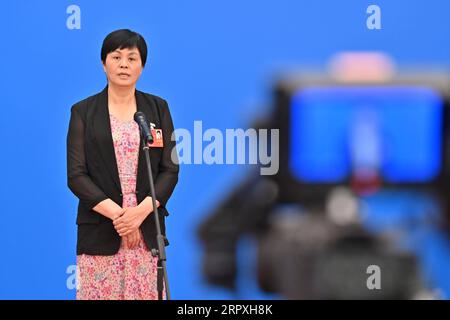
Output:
[[117, 213], [109, 209]]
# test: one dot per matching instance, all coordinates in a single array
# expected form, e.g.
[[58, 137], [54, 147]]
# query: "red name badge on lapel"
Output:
[[157, 138]]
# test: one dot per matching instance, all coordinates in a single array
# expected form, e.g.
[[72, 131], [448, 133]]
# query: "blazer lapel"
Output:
[[102, 129]]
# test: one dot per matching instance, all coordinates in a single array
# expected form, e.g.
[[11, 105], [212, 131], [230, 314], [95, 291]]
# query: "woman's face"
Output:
[[123, 67]]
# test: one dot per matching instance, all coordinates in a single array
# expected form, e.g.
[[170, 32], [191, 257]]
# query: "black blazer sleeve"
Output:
[[168, 167], [79, 181]]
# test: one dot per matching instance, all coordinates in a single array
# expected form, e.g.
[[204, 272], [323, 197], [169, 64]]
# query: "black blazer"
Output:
[[93, 175]]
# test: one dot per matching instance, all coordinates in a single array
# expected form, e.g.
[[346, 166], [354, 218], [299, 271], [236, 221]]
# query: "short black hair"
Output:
[[121, 39]]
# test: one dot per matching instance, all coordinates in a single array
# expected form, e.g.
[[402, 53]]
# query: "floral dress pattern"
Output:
[[130, 274]]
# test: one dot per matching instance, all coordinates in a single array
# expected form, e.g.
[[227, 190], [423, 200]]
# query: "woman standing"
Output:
[[106, 170]]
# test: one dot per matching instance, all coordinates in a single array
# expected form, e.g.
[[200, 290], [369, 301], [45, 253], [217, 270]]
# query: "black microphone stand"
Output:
[[161, 251]]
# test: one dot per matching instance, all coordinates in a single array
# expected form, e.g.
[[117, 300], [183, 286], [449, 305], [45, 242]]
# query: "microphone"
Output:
[[139, 117]]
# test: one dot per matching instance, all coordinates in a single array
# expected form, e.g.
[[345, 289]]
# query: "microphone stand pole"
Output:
[[161, 251]]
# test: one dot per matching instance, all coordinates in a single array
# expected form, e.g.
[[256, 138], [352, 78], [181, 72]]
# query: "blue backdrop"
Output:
[[212, 61]]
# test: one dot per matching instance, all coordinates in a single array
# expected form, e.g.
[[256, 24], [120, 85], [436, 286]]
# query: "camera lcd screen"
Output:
[[395, 130]]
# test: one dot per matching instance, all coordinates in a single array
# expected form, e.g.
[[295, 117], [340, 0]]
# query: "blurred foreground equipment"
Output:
[[354, 132]]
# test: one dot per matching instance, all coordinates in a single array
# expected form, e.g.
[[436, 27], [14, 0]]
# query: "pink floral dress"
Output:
[[131, 273]]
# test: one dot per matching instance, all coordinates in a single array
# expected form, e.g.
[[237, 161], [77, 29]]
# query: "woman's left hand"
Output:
[[130, 221]]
